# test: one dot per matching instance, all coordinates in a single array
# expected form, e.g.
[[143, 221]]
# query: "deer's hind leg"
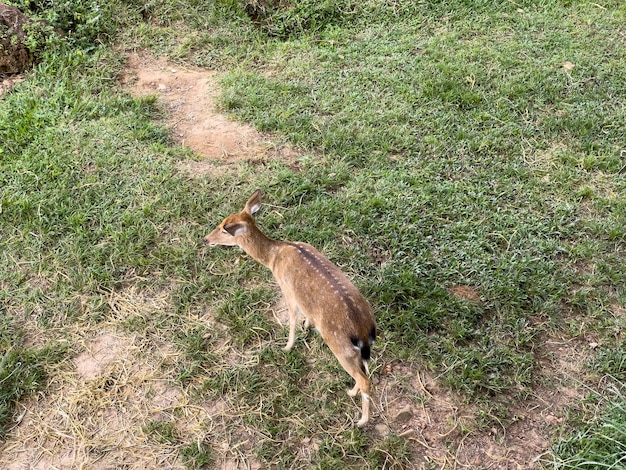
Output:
[[352, 362]]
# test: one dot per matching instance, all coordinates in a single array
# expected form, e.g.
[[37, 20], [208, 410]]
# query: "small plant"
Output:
[[197, 456], [162, 431], [393, 453], [83, 23], [611, 360]]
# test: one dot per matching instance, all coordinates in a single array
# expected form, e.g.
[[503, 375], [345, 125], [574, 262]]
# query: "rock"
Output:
[[14, 55], [404, 415]]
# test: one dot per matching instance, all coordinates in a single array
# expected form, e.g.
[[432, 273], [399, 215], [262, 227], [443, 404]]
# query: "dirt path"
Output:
[[188, 94]]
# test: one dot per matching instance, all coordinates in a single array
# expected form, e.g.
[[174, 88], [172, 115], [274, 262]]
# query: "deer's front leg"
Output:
[[292, 325]]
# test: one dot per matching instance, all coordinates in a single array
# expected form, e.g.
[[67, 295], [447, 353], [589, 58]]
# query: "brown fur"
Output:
[[313, 287]]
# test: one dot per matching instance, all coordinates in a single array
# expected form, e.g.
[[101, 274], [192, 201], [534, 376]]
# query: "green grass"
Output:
[[22, 370], [599, 444], [449, 127], [445, 144], [197, 456], [161, 431]]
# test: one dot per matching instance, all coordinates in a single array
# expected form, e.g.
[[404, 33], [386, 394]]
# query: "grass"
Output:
[[599, 444], [446, 144], [22, 370], [435, 143]]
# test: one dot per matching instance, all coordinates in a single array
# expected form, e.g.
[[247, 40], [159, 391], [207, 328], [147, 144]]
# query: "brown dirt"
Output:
[[447, 432], [14, 55], [94, 412], [188, 95], [465, 293], [7, 81]]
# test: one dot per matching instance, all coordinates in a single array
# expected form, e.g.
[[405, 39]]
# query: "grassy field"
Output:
[[464, 162]]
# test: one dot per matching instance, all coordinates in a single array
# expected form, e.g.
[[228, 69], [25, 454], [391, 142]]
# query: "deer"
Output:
[[314, 288]]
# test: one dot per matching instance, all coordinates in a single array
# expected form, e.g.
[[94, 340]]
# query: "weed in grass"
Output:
[[393, 452], [611, 361], [289, 368], [196, 343], [243, 381], [243, 314], [83, 24], [282, 20], [345, 449]]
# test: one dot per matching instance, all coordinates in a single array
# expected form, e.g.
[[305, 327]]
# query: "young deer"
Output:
[[313, 287]]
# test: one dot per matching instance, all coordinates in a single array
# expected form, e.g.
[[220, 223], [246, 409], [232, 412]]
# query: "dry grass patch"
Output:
[[95, 411], [97, 408], [120, 401]]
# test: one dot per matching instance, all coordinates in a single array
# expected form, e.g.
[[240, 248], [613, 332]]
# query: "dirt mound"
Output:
[[14, 55]]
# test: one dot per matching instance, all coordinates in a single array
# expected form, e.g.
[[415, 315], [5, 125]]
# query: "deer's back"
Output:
[[322, 291]]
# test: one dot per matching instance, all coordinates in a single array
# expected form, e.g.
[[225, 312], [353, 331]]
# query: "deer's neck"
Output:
[[263, 249]]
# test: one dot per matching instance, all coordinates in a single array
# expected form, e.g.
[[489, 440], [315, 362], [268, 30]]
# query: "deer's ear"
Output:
[[236, 228], [254, 203]]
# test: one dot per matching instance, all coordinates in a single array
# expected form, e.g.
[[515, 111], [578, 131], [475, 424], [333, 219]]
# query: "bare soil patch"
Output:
[[452, 434], [7, 81], [465, 293], [189, 94]]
